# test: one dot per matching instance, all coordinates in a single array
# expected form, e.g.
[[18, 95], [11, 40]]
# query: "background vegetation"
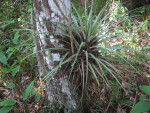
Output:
[[22, 90]]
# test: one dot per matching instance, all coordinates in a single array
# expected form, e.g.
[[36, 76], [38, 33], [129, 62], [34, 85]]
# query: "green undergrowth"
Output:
[[16, 43]]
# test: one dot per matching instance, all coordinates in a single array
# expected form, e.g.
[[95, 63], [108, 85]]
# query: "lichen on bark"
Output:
[[59, 91]]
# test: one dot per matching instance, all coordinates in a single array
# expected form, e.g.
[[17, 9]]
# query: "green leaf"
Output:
[[11, 85], [104, 51], [74, 62], [10, 49], [142, 106], [4, 25], [28, 90], [142, 97], [107, 68], [33, 92], [87, 64], [3, 58], [5, 109], [9, 102], [145, 89], [94, 74], [16, 37], [15, 70], [37, 98], [125, 102], [5, 70], [147, 47], [8, 22], [119, 31]]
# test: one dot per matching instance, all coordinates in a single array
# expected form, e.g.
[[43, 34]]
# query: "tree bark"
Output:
[[60, 93]]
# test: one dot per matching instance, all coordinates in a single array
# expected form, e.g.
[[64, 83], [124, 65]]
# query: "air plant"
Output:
[[90, 36]]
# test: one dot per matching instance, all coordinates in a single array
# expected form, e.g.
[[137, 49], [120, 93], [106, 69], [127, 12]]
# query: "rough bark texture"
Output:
[[60, 92]]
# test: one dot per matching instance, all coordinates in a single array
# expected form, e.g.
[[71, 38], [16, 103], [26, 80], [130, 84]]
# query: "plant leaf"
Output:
[[5, 109], [99, 60], [72, 66], [142, 106], [15, 70], [9, 102], [16, 37], [11, 85], [8, 22], [37, 98], [33, 92], [3, 58], [5, 70], [80, 21], [94, 74], [125, 102], [142, 97], [145, 89], [28, 90], [87, 64]]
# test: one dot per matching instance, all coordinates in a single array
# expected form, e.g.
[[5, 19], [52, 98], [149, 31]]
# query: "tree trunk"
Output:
[[60, 93]]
